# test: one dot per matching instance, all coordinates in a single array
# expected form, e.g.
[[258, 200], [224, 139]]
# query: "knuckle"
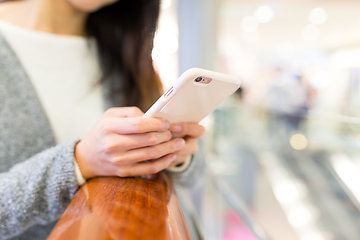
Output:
[[154, 168], [109, 161], [162, 123], [134, 110], [167, 164], [115, 161], [121, 160], [110, 111], [152, 153], [169, 135], [152, 139], [121, 172], [109, 148], [105, 127], [174, 145], [138, 124]]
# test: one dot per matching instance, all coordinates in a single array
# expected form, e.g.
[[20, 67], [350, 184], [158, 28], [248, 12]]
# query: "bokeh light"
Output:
[[264, 14], [287, 192], [165, 4], [166, 42], [156, 54], [166, 45], [299, 216], [318, 16], [298, 141], [320, 79], [348, 171]]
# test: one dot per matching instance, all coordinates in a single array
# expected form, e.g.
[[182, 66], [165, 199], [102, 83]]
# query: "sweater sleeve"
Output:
[[194, 174], [38, 190]]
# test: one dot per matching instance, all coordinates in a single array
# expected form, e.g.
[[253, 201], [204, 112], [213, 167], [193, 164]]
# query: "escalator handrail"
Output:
[[239, 206]]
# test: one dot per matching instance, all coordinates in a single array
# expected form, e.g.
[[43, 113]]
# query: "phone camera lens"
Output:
[[198, 79]]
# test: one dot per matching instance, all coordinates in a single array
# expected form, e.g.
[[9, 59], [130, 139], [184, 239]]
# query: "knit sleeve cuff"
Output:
[[183, 167], [79, 177]]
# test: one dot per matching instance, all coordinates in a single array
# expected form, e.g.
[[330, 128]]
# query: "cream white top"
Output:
[[63, 71]]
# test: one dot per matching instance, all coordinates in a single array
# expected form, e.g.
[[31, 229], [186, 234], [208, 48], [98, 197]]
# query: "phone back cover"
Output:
[[194, 101]]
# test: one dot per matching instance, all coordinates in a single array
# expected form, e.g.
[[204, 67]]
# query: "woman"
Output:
[[52, 52]]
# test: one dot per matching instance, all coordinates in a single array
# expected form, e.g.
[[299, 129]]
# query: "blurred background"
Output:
[[284, 151]]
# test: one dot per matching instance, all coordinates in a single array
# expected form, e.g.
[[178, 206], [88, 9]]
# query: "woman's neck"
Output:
[[51, 16]]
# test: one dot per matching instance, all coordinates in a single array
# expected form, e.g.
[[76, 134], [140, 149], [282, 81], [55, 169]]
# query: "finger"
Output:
[[180, 159], [190, 147], [135, 125], [124, 112], [191, 129], [144, 168], [150, 153], [134, 141]]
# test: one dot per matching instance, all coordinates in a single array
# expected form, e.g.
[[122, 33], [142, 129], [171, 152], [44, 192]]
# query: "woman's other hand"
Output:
[[190, 132], [123, 141]]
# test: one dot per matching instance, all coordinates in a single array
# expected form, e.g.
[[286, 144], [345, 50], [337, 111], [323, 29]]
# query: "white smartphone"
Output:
[[194, 95]]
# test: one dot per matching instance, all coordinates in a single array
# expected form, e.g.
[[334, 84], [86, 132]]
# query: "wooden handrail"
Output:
[[123, 209]]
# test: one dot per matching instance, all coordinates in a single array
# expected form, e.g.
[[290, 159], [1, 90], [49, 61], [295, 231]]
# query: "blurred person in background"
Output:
[[62, 62], [297, 98], [286, 102]]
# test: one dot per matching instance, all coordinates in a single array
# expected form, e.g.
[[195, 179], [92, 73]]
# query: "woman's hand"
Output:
[[190, 132], [121, 143]]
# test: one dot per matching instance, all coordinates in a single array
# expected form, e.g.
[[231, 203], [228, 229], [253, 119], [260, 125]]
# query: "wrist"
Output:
[[81, 163]]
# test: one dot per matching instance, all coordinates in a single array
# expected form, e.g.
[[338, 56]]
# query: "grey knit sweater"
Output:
[[37, 179]]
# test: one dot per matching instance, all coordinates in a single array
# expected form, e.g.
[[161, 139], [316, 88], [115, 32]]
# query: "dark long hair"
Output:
[[124, 33]]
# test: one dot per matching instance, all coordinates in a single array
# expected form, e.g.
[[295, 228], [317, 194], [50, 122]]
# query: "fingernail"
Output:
[[167, 125], [173, 157], [180, 143], [176, 128]]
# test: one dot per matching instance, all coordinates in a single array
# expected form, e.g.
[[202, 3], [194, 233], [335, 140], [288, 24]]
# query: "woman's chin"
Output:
[[90, 6]]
